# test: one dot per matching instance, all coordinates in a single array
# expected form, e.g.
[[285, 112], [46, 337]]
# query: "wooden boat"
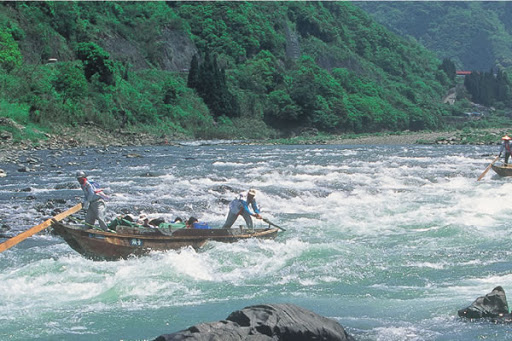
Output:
[[503, 170], [101, 245]]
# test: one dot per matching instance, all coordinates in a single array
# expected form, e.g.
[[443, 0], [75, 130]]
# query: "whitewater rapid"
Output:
[[390, 241]]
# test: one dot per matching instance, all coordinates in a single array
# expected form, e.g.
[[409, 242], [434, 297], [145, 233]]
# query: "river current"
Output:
[[390, 241]]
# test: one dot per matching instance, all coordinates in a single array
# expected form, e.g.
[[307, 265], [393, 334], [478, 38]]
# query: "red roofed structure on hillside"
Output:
[[463, 73]]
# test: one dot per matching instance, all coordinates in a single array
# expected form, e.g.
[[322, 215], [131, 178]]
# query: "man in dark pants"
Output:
[[240, 206], [507, 147], [94, 202]]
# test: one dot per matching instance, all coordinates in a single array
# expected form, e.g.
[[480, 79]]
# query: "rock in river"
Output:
[[492, 305], [265, 322]]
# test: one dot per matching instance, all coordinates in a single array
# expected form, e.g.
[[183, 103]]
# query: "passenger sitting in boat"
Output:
[[507, 147], [175, 224], [143, 220], [146, 222], [128, 217], [240, 206], [156, 221], [191, 221], [126, 220]]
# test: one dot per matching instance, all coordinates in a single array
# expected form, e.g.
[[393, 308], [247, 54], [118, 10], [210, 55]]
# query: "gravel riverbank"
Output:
[[11, 151], [395, 139]]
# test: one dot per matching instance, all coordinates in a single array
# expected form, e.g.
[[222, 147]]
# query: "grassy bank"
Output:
[[29, 135], [487, 136]]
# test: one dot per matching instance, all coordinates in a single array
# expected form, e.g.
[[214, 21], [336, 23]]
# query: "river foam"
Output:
[[388, 240]]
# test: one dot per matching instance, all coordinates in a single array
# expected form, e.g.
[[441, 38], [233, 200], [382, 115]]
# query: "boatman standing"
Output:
[[240, 206], [507, 147], [94, 202]]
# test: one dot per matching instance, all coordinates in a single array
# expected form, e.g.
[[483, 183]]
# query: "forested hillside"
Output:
[[214, 69], [475, 35]]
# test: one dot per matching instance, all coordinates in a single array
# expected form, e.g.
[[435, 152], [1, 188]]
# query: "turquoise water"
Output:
[[389, 241]]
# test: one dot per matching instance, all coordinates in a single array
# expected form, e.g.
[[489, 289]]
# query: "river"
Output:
[[390, 241]]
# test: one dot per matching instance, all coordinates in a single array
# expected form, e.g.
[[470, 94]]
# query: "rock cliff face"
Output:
[[177, 50], [124, 50], [292, 43], [286, 322]]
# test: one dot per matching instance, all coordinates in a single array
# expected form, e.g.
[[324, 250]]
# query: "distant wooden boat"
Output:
[[100, 245], [503, 170]]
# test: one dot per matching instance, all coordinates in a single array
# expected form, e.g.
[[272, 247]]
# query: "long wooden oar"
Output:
[[271, 223], [487, 169], [24, 235]]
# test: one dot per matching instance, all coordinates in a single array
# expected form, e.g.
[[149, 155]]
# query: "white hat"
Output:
[[252, 192]]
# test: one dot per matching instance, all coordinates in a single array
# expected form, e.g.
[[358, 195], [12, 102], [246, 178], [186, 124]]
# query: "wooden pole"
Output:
[[24, 235], [272, 224], [487, 169]]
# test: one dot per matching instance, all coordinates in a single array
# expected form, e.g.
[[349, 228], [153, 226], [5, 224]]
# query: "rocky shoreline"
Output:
[[92, 136], [10, 150]]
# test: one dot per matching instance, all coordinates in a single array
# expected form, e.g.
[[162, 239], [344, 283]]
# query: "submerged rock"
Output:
[[4, 231], [67, 185], [222, 188], [151, 174], [132, 155], [492, 305], [265, 323]]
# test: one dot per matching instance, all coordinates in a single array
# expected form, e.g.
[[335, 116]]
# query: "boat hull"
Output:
[[503, 170], [100, 245]]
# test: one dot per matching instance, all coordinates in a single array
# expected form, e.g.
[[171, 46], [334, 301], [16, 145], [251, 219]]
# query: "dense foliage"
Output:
[[476, 35], [209, 80], [257, 69], [487, 88]]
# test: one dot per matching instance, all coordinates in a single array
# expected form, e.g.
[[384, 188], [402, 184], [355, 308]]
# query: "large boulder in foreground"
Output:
[[284, 322], [492, 305]]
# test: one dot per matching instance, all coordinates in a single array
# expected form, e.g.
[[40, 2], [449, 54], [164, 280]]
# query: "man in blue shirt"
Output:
[[240, 206], [94, 202]]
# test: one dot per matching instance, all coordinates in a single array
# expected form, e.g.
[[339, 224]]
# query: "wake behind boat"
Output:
[[101, 245]]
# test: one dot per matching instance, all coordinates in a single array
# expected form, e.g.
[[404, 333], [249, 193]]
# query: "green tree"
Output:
[[486, 88], [96, 61], [449, 68], [212, 86], [503, 92], [281, 109], [10, 54], [260, 74], [65, 16], [70, 81], [193, 73]]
